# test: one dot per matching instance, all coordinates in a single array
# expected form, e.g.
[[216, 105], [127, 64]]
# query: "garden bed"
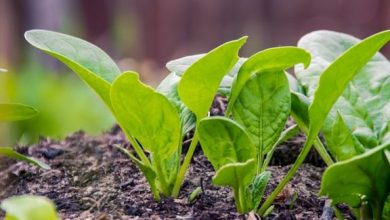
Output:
[[92, 179]]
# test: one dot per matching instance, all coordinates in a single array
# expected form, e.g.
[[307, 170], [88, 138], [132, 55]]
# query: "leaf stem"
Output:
[[289, 176], [241, 197], [186, 163], [138, 150], [237, 200], [317, 142], [161, 176], [323, 152]]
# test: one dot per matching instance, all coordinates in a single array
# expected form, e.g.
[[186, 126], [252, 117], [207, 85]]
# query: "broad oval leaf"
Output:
[[91, 64], [16, 112], [146, 114], [28, 207], [200, 81], [332, 84], [179, 66], [11, 153], [263, 107], [224, 141], [270, 60], [239, 174], [366, 175]]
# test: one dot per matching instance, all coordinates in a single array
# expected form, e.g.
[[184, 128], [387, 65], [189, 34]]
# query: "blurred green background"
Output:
[[142, 36]]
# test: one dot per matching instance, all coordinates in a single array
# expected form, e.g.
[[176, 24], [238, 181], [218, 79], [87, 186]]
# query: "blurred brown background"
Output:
[[142, 35], [145, 34]]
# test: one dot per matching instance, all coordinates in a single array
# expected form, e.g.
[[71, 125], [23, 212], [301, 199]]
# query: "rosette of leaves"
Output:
[[241, 149], [154, 121], [338, 60], [356, 130]]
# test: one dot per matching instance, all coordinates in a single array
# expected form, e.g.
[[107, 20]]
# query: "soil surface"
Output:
[[91, 179]]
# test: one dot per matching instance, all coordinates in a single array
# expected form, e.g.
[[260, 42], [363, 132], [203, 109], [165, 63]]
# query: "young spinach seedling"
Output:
[[260, 105], [154, 121], [356, 129], [330, 87]]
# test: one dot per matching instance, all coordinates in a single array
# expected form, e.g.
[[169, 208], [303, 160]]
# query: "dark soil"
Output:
[[91, 179]]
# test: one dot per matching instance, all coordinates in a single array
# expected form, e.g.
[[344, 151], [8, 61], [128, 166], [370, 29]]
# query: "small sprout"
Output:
[[268, 211], [195, 194]]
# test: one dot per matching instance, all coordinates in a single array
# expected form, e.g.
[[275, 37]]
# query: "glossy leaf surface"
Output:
[[224, 141], [365, 175], [91, 64], [201, 80], [363, 101], [146, 114], [270, 60], [263, 107]]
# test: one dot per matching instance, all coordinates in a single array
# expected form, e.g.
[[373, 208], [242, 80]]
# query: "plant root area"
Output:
[[91, 179]]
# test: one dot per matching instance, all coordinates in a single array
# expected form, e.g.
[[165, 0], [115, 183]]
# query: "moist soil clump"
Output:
[[91, 179]]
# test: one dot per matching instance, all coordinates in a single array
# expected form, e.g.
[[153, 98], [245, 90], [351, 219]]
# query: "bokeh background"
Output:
[[142, 35]]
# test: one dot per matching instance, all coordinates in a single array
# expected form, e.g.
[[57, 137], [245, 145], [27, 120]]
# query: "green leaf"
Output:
[[340, 57], [330, 87], [224, 141], [201, 80], [263, 107], [91, 64], [365, 175], [16, 112], [28, 207], [235, 175], [258, 187], [387, 153], [168, 87], [146, 114], [9, 152], [300, 108], [179, 66], [341, 141], [270, 60]]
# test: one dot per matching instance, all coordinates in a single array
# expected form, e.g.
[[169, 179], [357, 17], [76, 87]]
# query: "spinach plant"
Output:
[[356, 129], [28, 207], [260, 101], [15, 112], [332, 83], [154, 121]]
